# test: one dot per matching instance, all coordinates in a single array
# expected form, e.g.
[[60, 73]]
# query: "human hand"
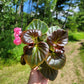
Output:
[[36, 77]]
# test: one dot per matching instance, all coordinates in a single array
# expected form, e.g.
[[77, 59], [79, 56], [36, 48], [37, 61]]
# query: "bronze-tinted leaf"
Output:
[[56, 60], [22, 60], [59, 37], [59, 49], [48, 72], [27, 50], [34, 57], [29, 36]]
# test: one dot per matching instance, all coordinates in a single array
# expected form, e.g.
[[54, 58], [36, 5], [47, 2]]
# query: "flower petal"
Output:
[[17, 29], [17, 41]]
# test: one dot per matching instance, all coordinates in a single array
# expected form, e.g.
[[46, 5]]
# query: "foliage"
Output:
[[76, 22], [38, 51], [81, 6], [76, 36], [59, 7], [8, 20], [72, 24], [6, 30], [46, 71], [39, 25], [80, 21]]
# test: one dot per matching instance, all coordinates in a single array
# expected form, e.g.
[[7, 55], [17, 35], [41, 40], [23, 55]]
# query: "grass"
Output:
[[82, 54], [76, 64], [16, 74], [74, 83], [75, 36], [62, 75], [77, 72]]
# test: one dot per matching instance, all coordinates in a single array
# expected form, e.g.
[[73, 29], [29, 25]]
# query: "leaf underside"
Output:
[[48, 72]]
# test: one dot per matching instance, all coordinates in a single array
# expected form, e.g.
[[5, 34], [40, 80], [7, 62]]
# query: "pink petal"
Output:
[[18, 32], [17, 41], [17, 29], [16, 35]]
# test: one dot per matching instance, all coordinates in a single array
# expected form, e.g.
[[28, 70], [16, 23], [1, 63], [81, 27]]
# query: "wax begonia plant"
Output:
[[44, 47]]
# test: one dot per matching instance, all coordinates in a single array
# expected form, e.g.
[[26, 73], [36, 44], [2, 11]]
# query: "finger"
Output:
[[35, 68], [45, 81]]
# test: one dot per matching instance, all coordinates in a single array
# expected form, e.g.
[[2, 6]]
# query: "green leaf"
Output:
[[56, 60], [38, 24], [16, 1], [53, 4], [36, 55], [58, 38], [30, 36], [43, 37], [48, 72], [52, 29]]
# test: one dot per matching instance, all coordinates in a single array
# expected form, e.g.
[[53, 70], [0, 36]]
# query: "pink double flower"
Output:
[[17, 33]]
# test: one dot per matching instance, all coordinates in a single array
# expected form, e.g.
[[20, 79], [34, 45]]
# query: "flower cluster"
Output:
[[17, 33]]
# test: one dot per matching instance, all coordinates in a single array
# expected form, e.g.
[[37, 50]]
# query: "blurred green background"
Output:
[[68, 14]]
